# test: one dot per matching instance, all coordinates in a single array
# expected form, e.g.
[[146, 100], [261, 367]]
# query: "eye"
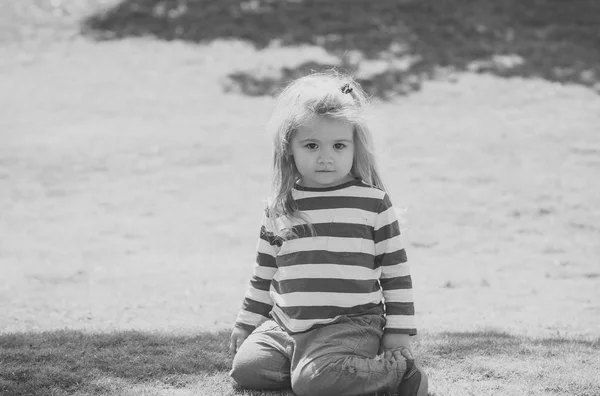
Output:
[[339, 146], [311, 146]]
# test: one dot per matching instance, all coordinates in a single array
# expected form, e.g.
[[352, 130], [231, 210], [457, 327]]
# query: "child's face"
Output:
[[323, 151]]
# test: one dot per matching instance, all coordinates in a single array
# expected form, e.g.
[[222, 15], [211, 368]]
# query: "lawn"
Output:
[[133, 172], [135, 363]]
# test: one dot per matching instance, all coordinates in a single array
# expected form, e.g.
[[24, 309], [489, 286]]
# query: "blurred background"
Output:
[[134, 163]]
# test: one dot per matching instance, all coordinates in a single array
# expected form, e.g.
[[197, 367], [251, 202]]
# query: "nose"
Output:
[[325, 156]]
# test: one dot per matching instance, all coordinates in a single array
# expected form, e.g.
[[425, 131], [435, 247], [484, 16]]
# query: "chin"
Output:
[[329, 183]]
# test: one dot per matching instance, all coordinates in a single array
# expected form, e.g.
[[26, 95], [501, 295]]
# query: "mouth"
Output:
[[324, 171]]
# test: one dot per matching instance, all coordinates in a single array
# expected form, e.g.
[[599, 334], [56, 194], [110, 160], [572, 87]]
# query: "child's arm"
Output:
[[257, 303], [395, 279]]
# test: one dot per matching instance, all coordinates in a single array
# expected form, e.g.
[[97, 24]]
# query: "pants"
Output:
[[336, 359]]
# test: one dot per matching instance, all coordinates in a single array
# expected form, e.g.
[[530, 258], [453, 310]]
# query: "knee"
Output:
[[317, 379], [242, 372], [252, 373]]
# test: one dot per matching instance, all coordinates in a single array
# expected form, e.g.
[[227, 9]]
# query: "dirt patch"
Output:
[[132, 187]]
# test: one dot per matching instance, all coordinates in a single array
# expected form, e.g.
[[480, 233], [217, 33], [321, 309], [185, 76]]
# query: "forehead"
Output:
[[324, 129]]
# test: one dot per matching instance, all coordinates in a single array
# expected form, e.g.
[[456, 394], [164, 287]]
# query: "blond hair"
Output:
[[316, 95]]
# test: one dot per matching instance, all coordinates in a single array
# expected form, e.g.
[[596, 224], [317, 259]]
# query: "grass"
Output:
[[137, 363], [131, 186], [68, 361]]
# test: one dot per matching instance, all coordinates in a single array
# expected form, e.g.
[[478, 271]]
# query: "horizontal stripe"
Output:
[[411, 331], [261, 296], [328, 215], [395, 271], [260, 283], [265, 248], [256, 307], [264, 272], [332, 244], [353, 182], [310, 300], [337, 228], [324, 312], [400, 282], [328, 285], [399, 322], [326, 257], [386, 232], [250, 319], [319, 270], [389, 245], [387, 216], [386, 202], [391, 258], [329, 202], [265, 260], [398, 295], [302, 244], [399, 308], [353, 191]]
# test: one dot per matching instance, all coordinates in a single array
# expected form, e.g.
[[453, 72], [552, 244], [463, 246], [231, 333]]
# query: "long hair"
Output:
[[315, 95]]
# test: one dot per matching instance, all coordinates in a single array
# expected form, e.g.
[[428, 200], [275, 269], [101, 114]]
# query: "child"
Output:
[[329, 255]]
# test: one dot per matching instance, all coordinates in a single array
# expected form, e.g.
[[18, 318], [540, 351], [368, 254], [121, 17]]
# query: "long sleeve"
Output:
[[395, 278], [258, 303]]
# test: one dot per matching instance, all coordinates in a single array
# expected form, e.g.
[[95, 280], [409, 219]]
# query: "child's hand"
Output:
[[403, 352], [399, 343], [238, 336]]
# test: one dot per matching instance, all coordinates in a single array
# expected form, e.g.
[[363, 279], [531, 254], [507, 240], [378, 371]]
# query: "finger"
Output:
[[238, 343], [232, 347], [407, 353], [397, 354]]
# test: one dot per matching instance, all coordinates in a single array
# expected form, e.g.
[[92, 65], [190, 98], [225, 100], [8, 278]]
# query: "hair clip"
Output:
[[346, 88]]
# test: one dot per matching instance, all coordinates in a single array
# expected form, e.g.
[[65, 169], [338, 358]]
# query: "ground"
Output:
[[132, 193], [132, 183]]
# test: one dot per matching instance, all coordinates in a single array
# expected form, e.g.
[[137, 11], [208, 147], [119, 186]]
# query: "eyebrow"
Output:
[[317, 140]]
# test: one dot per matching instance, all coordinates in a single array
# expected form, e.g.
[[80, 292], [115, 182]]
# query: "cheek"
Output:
[[350, 156], [308, 161], [299, 159]]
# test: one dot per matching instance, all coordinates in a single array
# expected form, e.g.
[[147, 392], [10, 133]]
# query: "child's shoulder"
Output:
[[369, 190]]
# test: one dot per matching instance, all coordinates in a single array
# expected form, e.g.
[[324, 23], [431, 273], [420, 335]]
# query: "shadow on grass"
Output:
[[70, 361], [391, 45]]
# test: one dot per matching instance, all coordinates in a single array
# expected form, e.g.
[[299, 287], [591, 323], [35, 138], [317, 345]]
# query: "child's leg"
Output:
[[340, 359], [263, 360]]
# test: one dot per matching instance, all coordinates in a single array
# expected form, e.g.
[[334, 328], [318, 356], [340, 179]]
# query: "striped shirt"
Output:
[[354, 264]]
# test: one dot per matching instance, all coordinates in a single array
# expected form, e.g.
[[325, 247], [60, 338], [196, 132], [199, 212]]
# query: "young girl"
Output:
[[331, 285]]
